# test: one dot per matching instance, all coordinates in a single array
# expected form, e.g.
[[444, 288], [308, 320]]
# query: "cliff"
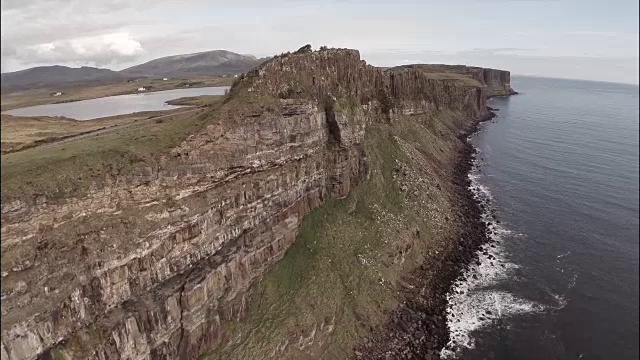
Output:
[[163, 262], [497, 82]]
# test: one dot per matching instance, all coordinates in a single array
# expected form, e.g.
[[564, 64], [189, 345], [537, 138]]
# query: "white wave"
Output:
[[477, 310], [572, 281], [482, 191], [473, 302], [560, 300]]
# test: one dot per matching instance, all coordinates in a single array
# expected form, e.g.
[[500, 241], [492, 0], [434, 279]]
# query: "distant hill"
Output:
[[216, 62], [208, 63], [46, 76]]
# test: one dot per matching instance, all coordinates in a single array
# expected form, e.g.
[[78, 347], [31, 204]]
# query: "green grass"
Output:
[[460, 79], [202, 100], [321, 279], [458, 74], [70, 168]]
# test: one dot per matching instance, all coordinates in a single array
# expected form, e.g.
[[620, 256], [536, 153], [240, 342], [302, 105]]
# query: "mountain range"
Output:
[[207, 63]]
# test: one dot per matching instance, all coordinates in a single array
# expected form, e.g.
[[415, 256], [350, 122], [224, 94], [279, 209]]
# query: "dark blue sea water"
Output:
[[559, 165]]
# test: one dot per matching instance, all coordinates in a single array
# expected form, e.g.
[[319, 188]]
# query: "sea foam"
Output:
[[474, 301]]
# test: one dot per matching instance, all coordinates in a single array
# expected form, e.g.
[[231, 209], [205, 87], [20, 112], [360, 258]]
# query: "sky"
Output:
[[591, 40]]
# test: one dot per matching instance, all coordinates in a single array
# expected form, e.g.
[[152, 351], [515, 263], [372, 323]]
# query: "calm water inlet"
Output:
[[559, 166], [116, 105]]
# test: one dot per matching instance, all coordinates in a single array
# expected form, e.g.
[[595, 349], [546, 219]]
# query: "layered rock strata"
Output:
[[151, 266], [496, 82]]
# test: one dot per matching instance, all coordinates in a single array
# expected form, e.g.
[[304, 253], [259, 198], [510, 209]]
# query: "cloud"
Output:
[[511, 34], [99, 50], [498, 51], [70, 32], [108, 45]]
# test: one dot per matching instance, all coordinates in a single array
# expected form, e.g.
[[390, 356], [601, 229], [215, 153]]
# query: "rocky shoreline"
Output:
[[418, 328]]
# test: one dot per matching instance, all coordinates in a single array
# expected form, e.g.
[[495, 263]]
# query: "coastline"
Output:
[[552, 290], [418, 328], [328, 258]]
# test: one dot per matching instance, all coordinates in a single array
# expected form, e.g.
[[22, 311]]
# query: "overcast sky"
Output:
[[569, 39]]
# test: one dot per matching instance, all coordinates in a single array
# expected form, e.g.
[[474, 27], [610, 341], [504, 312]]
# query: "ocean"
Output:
[[558, 172]]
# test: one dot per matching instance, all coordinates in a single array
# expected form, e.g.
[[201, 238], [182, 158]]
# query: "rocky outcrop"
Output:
[[498, 82], [152, 266]]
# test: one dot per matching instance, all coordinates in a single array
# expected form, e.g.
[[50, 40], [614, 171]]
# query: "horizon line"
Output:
[[637, 83]]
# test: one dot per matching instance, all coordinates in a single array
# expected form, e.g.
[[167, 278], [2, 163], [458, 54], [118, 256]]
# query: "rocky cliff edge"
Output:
[[158, 265]]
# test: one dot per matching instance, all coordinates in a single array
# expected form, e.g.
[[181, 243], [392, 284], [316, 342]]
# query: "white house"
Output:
[[165, 79], [57, 94], [142, 89]]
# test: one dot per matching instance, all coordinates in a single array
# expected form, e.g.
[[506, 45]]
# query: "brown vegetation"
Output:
[[72, 93]]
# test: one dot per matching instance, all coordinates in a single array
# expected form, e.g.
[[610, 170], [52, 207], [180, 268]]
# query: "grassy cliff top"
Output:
[[458, 74]]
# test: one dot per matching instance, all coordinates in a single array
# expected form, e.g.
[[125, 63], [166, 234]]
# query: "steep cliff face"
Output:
[[156, 265], [495, 82], [498, 81]]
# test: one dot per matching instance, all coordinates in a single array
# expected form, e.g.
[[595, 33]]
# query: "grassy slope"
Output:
[[321, 284], [70, 168], [202, 100], [23, 132]]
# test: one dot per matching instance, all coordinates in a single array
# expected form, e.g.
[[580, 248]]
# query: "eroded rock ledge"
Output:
[[151, 266]]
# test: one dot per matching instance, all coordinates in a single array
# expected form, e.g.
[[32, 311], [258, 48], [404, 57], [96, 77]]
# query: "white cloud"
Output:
[[101, 50], [115, 44], [123, 44], [44, 48]]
